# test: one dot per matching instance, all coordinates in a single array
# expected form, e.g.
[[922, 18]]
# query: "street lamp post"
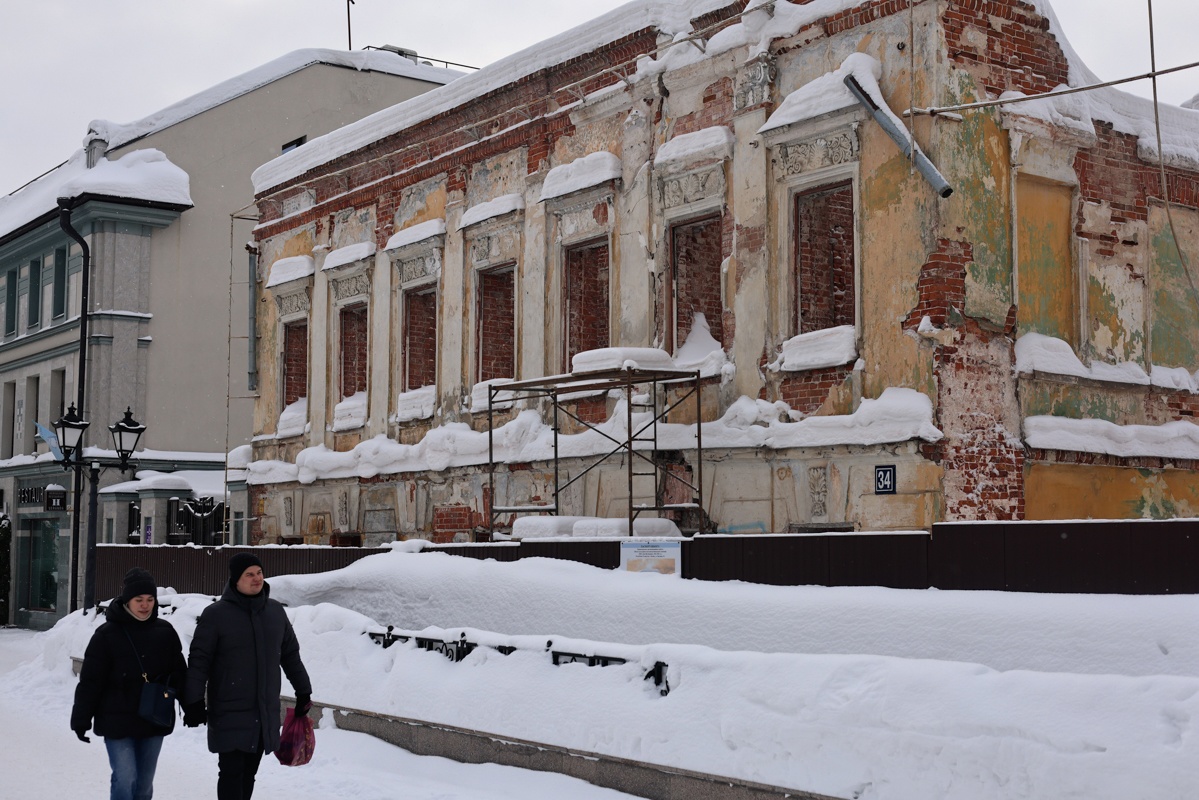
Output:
[[126, 433]]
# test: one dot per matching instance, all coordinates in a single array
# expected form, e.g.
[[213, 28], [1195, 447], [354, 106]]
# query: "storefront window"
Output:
[[43, 565]]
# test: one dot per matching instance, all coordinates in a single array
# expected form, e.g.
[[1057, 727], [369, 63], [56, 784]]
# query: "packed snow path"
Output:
[[43, 758]]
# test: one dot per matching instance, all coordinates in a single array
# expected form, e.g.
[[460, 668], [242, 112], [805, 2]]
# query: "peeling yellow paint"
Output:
[[1068, 491], [299, 245], [1047, 284]]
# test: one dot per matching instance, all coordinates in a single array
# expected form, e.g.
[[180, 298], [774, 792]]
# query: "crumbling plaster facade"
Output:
[[1051, 230]]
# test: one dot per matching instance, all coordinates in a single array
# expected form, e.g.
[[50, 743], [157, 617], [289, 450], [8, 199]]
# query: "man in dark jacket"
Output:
[[131, 648], [239, 645]]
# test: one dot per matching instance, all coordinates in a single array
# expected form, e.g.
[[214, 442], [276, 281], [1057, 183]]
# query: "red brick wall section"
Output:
[[497, 324], [295, 361], [717, 109], [941, 287], [1113, 172], [353, 349], [806, 391], [982, 454], [420, 339], [586, 299], [592, 409], [449, 520], [697, 250], [1006, 43], [824, 249]]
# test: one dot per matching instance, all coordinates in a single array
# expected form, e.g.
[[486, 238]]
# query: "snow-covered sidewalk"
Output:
[[42, 757], [865, 693]]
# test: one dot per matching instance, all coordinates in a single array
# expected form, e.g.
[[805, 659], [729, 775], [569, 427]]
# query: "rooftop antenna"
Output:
[[349, 35]]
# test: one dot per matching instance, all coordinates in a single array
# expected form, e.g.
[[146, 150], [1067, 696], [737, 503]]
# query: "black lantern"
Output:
[[69, 430], [125, 435]]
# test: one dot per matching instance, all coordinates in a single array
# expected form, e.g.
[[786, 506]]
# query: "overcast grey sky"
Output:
[[66, 62]]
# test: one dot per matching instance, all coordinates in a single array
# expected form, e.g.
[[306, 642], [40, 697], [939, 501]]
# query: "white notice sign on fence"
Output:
[[663, 557]]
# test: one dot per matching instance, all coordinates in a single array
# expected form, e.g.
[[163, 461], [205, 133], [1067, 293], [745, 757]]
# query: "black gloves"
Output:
[[194, 714], [303, 704], [81, 733]]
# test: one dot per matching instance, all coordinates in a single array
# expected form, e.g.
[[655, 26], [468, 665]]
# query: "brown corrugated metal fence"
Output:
[[1150, 557]]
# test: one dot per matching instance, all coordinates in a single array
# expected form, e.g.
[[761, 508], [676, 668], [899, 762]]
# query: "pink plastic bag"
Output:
[[297, 741]]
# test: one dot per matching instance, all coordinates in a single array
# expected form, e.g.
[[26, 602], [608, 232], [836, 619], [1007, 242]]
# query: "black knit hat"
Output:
[[240, 563], [137, 582]]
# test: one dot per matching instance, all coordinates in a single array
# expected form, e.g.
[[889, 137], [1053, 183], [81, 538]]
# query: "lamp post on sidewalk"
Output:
[[126, 433]]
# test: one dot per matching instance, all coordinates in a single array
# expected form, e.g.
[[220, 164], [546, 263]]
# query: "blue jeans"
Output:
[[133, 762]]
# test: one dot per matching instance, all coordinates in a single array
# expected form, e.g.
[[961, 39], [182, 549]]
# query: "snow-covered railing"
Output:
[[458, 649]]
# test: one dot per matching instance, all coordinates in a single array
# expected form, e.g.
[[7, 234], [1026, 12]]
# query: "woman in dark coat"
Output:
[[239, 645], [110, 684]]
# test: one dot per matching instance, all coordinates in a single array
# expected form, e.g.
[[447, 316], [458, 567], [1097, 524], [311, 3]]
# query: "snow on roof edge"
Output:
[[122, 134], [670, 16]]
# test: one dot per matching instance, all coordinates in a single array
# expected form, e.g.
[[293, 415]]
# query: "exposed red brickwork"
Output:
[[1005, 43], [824, 255], [420, 339], [942, 284], [449, 520], [353, 349], [1163, 406], [295, 361], [697, 250], [717, 109], [587, 325], [509, 118], [1113, 172], [729, 14], [591, 409], [982, 454], [496, 313], [806, 391]]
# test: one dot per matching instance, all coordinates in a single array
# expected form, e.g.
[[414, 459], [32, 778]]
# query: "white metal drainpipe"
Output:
[[900, 136]]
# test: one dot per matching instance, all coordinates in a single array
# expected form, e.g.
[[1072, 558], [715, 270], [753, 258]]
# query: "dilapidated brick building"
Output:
[[1003, 321]]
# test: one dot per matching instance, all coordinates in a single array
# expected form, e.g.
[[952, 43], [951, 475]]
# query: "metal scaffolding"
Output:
[[643, 457]]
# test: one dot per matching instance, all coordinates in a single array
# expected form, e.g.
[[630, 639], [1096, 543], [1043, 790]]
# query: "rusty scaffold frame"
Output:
[[562, 389]]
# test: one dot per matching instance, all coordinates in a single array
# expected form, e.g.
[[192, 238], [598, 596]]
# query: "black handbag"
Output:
[[157, 702]]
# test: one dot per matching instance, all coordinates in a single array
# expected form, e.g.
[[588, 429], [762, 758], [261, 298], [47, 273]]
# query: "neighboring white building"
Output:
[[165, 205]]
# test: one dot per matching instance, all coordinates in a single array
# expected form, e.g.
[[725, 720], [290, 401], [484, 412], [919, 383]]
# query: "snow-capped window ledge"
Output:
[[288, 270], [700, 352], [1043, 356], [500, 206], [1179, 440], [350, 413], [582, 173], [686, 150], [416, 253], [293, 421], [819, 107], [348, 257], [831, 347], [417, 234], [415, 404], [480, 394]]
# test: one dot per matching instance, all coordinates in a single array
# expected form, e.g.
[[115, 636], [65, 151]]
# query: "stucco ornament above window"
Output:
[[582, 173]]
